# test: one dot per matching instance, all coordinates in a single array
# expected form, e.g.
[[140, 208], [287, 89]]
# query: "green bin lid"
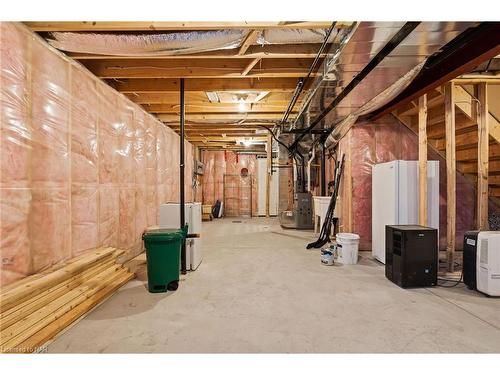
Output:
[[164, 234]]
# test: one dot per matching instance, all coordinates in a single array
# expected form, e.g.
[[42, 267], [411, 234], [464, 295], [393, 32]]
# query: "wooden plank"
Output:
[[478, 80], [483, 158], [450, 174], [94, 26], [197, 98], [24, 309], [53, 329], [272, 51], [223, 117], [205, 84], [493, 167], [215, 108], [494, 180], [495, 192], [462, 141], [20, 293], [422, 159], [22, 330], [249, 40], [196, 68], [467, 155], [250, 66]]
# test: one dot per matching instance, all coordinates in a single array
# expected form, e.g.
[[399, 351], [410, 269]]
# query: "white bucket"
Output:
[[347, 247]]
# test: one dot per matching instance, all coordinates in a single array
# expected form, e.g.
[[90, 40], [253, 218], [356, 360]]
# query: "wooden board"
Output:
[[483, 158], [422, 159], [24, 291], [24, 309], [22, 330], [50, 331], [450, 174]]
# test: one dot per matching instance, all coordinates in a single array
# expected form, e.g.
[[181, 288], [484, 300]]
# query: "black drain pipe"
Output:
[[302, 81], [323, 171], [181, 178], [406, 30]]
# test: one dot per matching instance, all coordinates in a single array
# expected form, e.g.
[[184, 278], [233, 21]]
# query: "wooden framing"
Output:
[[422, 159], [277, 51], [198, 68], [154, 80], [348, 184], [94, 26], [269, 153], [483, 157], [250, 39], [160, 85], [250, 66], [450, 174]]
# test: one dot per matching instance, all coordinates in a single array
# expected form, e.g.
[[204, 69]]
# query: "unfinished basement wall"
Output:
[[220, 163], [381, 141], [81, 166]]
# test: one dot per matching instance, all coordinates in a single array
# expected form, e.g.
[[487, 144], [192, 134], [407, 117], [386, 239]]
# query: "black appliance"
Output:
[[469, 259], [411, 255]]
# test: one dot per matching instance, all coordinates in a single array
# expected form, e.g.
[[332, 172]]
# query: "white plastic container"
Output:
[[347, 247]]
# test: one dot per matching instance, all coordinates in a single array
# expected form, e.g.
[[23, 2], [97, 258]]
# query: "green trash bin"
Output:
[[163, 252]]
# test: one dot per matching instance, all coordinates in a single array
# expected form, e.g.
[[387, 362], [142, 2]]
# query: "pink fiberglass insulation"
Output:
[[220, 163], [81, 166], [384, 140]]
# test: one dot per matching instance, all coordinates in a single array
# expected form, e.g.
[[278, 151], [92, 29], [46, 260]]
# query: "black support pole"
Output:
[[181, 178], [323, 171]]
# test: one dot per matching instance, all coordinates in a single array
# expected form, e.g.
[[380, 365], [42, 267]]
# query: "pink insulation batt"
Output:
[[219, 163], [385, 140], [81, 165]]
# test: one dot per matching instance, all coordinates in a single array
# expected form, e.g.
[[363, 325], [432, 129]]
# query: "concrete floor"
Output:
[[258, 290]]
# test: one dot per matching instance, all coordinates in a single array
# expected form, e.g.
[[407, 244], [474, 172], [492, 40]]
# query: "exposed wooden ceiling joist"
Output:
[[156, 26], [250, 39], [159, 85], [286, 51], [221, 116], [215, 108], [184, 68], [200, 98]]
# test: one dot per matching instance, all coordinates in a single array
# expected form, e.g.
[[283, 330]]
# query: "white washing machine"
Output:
[[170, 219]]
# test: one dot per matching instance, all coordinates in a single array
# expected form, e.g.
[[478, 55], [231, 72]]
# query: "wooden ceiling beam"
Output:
[[223, 117], [231, 68], [200, 98], [159, 85], [277, 51], [193, 108], [93, 26]]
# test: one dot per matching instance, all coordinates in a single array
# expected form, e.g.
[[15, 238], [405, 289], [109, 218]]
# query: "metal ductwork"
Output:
[[387, 56]]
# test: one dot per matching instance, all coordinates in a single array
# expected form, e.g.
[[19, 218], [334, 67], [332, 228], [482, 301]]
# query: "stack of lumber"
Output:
[[37, 308], [206, 212]]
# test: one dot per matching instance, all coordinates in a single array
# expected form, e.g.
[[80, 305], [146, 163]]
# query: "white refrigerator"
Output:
[[395, 198], [170, 219]]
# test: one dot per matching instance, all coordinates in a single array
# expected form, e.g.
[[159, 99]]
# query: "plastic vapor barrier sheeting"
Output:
[[238, 195], [81, 165], [381, 141]]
